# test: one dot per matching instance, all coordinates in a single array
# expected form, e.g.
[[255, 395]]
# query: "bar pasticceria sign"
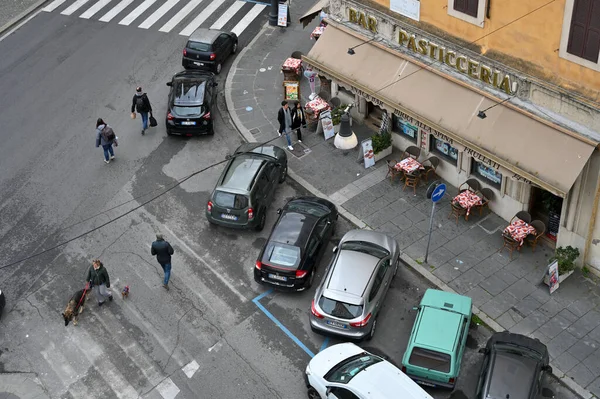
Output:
[[421, 45]]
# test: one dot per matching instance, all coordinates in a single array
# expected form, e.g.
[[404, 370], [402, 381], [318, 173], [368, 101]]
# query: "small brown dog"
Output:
[[75, 306], [125, 292]]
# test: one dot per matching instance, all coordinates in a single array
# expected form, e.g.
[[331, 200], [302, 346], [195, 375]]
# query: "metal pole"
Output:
[[273, 15], [430, 228]]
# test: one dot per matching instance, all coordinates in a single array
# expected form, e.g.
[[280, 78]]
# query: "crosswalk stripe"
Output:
[[151, 20], [115, 10], [59, 363], [200, 18], [94, 9], [226, 16], [54, 5], [248, 18], [177, 18], [137, 12], [74, 7]]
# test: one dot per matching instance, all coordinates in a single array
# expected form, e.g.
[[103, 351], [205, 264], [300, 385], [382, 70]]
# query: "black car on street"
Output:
[[208, 49], [291, 254]]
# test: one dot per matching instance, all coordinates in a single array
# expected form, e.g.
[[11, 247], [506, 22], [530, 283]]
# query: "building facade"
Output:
[[507, 92]]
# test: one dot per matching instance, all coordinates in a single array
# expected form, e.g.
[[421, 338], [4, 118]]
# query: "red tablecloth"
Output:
[[292, 64], [409, 165], [468, 199], [317, 32], [518, 230], [317, 105]]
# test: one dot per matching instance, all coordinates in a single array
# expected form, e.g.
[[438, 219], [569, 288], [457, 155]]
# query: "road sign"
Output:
[[438, 192]]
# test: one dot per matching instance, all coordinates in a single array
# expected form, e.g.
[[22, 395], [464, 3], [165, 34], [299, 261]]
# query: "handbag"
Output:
[[153, 122]]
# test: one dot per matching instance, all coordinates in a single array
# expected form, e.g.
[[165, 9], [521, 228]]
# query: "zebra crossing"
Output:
[[182, 16]]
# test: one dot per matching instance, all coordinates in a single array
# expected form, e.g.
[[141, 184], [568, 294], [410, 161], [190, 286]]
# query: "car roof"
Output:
[[351, 274], [437, 329], [447, 300], [241, 172], [293, 228], [511, 375], [204, 35]]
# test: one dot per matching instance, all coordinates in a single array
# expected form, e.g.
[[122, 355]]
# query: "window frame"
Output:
[[479, 20], [446, 158], [564, 40], [396, 120], [483, 179]]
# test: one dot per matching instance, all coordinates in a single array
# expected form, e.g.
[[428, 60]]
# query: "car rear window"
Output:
[[198, 46], [430, 360], [368, 248], [229, 200], [340, 309], [287, 256], [188, 111]]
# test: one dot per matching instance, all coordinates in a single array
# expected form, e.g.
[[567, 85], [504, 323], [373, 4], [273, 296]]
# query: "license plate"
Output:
[[188, 123], [427, 384], [228, 216], [336, 324], [199, 63], [277, 277]]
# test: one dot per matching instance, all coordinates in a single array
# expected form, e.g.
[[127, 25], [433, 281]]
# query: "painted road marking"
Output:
[[94, 9], [248, 18], [278, 324], [74, 7], [325, 343], [226, 16], [177, 18], [191, 368], [54, 5], [137, 12], [162, 10], [168, 389], [115, 10], [188, 30]]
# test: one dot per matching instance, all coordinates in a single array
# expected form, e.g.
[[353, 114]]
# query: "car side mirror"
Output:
[[547, 369], [482, 350], [228, 156], [279, 211], [335, 249], [169, 84], [328, 391], [215, 84]]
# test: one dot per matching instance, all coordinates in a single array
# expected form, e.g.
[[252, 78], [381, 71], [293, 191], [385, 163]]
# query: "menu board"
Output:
[[282, 16], [368, 155], [327, 123], [291, 90]]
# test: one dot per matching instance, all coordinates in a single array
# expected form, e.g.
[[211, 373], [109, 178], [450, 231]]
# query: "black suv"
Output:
[[245, 188], [191, 98], [208, 49]]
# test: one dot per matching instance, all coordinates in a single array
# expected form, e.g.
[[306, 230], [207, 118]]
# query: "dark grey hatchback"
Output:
[[208, 49]]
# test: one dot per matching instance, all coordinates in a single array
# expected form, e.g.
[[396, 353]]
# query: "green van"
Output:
[[438, 338]]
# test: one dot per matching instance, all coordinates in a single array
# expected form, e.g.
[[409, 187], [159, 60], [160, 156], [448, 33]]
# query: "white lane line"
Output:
[[226, 16], [188, 30], [177, 18], [54, 5], [167, 389], [115, 10], [74, 7], [151, 20], [191, 368], [248, 18], [137, 12], [216, 273], [94, 9]]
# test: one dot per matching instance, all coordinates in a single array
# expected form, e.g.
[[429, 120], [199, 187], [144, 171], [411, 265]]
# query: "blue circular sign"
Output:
[[438, 192]]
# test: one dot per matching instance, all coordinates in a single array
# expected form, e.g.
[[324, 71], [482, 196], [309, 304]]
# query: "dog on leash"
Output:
[[125, 292], [75, 306]]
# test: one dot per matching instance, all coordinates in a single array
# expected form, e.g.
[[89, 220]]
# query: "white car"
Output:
[[346, 371]]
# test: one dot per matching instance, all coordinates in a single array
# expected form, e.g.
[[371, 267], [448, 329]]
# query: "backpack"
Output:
[[139, 103], [108, 133]]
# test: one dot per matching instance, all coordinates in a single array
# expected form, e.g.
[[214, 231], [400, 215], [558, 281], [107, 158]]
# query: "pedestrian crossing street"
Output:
[[182, 16]]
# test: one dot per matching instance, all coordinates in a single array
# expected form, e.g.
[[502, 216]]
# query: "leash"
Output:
[[83, 296]]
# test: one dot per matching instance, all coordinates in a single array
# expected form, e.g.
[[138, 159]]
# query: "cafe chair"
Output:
[[412, 151], [392, 171], [411, 180], [324, 95], [470, 184], [335, 102], [540, 229], [429, 169], [523, 215], [487, 195], [509, 243], [297, 55], [457, 211]]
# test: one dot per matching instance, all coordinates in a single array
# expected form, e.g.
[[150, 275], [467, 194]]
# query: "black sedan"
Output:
[[292, 252], [192, 98], [512, 367]]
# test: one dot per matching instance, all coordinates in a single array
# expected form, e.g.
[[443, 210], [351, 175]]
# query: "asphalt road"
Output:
[[206, 337]]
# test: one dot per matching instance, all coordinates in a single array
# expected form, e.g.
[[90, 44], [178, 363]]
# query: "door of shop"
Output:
[[546, 207]]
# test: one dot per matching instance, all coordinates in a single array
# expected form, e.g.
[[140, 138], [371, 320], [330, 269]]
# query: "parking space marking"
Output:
[[278, 324], [325, 344]]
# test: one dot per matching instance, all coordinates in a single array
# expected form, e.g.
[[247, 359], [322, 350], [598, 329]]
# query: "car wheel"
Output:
[[218, 68], [234, 50], [283, 175], [372, 332], [311, 279], [261, 222], [396, 269], [211, 131], [169, 133], [313, 394]]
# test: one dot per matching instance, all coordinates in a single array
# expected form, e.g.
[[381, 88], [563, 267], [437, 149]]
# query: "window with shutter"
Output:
[[584, 35], [468, 7]]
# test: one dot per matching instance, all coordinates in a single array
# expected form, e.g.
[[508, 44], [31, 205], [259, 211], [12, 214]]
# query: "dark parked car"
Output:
[[513, 367], [208, 49], [292, 252], [191, 99], [2, 302], [245, 188]]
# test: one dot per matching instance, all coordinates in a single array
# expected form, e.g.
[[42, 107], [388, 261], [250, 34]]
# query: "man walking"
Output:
[[298, 119], [163, 251], [105, 137], [99, 280], [284, 117], [141, 104]]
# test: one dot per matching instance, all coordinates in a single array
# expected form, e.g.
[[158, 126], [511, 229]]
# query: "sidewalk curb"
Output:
[[566, 380], [22, 17]]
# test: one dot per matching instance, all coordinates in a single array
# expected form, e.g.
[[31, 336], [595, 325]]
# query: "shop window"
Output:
[[487, 174], [584, 34], [443, 149], [405, 129], [468, 7]]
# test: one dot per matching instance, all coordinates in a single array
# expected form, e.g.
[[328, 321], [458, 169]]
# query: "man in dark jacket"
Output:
[[284, 117], [163, 251], [98, 278], [141, 104]]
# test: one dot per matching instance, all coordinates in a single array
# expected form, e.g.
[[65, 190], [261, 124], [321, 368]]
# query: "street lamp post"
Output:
[[274, 12]]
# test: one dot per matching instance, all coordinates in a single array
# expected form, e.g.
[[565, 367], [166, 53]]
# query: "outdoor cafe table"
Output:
[[518, 230], [468, 199], [317, 105], [317, 32], [409, 165], [292, 65]]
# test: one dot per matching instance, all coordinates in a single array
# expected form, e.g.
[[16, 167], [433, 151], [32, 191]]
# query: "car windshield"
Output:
[[198, 46], [309, 208], [344, 371], [366, 248], [284, 255], [229, 200], [429, 359], [340, 309], [188, 111]]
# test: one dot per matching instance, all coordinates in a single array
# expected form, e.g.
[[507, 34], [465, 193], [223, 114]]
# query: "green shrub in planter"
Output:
[[566, 258], [381, 142], [336, 114]]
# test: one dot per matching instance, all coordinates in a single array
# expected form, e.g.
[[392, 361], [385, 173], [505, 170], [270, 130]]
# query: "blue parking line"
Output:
[[278, 324], [325, 343]]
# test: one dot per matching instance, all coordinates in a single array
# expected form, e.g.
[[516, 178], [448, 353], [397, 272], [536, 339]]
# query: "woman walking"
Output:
[[98, 278], [105, 137], [298, 119]]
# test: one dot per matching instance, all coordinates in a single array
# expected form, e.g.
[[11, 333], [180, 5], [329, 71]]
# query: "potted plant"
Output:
[[382, 145], [336, 117], [566, 258]]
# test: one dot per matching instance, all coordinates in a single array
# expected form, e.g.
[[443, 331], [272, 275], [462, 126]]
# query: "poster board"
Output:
[[553, 279], [291, 90], [368, 154], [408, 8], [327, 124], [282, 16]]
